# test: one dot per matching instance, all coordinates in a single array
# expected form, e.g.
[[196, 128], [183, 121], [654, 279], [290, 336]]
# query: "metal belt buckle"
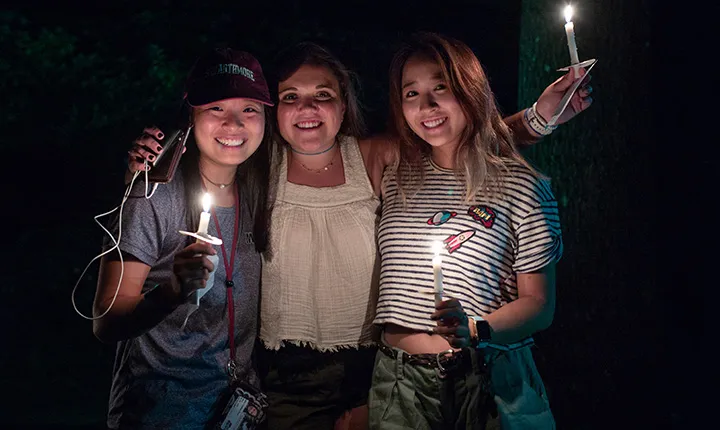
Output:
[[443, 370]]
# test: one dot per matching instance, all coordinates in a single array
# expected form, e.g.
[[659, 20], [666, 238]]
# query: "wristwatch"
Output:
[[483, 332]]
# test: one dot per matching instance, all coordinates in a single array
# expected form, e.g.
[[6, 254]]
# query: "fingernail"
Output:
[[160, 135], [151, 157], [159, 148]]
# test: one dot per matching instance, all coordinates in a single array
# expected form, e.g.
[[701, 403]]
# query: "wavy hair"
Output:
[[486, 144]]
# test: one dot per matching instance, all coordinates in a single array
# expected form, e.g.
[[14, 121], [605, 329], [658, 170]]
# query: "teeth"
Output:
[[231, 142], [308, 124], [434, 123]]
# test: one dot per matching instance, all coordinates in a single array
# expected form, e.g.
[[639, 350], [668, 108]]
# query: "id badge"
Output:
[[244, 411]]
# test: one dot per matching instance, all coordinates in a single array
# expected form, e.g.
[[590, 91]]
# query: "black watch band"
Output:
[[483, 332]]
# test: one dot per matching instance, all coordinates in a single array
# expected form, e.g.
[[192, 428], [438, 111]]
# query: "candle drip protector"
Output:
[[565, 101], [212, 240], [193, 300]]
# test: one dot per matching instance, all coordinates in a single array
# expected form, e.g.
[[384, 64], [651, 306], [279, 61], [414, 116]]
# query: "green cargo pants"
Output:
[[505, 393]]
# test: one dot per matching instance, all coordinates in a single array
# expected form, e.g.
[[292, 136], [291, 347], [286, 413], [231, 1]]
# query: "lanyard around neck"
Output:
[[229, 284]]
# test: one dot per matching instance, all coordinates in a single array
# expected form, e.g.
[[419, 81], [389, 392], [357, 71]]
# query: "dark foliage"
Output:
[[78, 83]]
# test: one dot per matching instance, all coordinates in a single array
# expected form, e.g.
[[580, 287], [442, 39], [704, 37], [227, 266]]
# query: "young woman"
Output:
[[459, 181], [320, 273], [317, 298], [170, 373]]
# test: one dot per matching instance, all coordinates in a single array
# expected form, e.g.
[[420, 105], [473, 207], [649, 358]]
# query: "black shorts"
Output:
[[309, 389]]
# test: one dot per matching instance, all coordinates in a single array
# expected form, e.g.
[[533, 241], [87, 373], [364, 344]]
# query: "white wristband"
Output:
[[536, 122]]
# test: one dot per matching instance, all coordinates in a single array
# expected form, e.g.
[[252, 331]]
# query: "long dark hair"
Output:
[[252, 178]]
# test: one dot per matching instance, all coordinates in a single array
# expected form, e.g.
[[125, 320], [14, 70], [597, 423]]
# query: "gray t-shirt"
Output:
[[171, 377]]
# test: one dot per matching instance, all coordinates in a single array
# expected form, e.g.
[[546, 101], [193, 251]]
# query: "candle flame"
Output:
[[437, 247], [206, 202], [568, 13]]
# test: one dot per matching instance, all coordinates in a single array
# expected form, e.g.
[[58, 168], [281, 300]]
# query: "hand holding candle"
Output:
[[570, 33], [201, 235], [437, 273]]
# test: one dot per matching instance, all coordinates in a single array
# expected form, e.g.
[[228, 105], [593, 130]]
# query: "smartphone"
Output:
[[163, 168]]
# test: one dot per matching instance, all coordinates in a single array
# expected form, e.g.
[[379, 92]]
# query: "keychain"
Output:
[[246, 408]]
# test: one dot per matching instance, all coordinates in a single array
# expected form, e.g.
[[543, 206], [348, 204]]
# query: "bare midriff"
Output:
[[413, 341]]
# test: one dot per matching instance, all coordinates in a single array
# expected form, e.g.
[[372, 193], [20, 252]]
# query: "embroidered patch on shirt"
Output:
[[441, 217], [482, 213], [455, 241]]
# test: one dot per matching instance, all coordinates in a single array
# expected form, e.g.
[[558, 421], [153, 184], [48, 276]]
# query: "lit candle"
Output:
[[437, 273], [570, 33], [205, 215]]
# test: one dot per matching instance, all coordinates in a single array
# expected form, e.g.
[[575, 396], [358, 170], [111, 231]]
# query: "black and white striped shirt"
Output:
[[485, 244]]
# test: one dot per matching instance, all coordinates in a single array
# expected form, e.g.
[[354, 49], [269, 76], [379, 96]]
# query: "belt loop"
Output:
[[399, 365], [476, 367]]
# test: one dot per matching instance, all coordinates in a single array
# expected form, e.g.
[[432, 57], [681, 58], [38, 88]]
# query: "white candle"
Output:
[[437, 273], [205, 215], [570, 33]]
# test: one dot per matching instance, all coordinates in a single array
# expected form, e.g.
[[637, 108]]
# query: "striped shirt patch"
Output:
[[484, 244]]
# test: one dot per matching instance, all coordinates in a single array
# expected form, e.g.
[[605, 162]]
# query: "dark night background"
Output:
[[78, 83]]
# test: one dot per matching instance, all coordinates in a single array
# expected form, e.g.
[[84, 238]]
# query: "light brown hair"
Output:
[[486, 144]]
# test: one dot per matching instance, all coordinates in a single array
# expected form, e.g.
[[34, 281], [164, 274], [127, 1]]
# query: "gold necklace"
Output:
[[325, 168], [221, 186]]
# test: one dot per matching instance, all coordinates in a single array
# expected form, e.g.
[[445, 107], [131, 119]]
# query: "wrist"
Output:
[[473, 331], [541, 114], [483, 333], [536, 124]]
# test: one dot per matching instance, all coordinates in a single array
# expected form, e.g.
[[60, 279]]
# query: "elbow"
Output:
[[545, 321], [546, 315], [103, 333]]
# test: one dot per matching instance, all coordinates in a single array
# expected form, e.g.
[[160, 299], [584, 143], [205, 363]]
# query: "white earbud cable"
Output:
[[116, 243]]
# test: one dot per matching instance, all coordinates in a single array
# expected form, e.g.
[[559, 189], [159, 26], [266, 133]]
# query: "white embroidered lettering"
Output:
[[231, 69]]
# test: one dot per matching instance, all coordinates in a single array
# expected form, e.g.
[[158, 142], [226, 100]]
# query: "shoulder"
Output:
[[527, 184], [163, 198], [378, 149]]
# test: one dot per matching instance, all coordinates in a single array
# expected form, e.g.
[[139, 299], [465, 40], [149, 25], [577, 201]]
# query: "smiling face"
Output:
[[311, 109], [429, 106], [229, 131]]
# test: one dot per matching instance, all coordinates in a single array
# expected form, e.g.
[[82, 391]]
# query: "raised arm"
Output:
[[525, 134]]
